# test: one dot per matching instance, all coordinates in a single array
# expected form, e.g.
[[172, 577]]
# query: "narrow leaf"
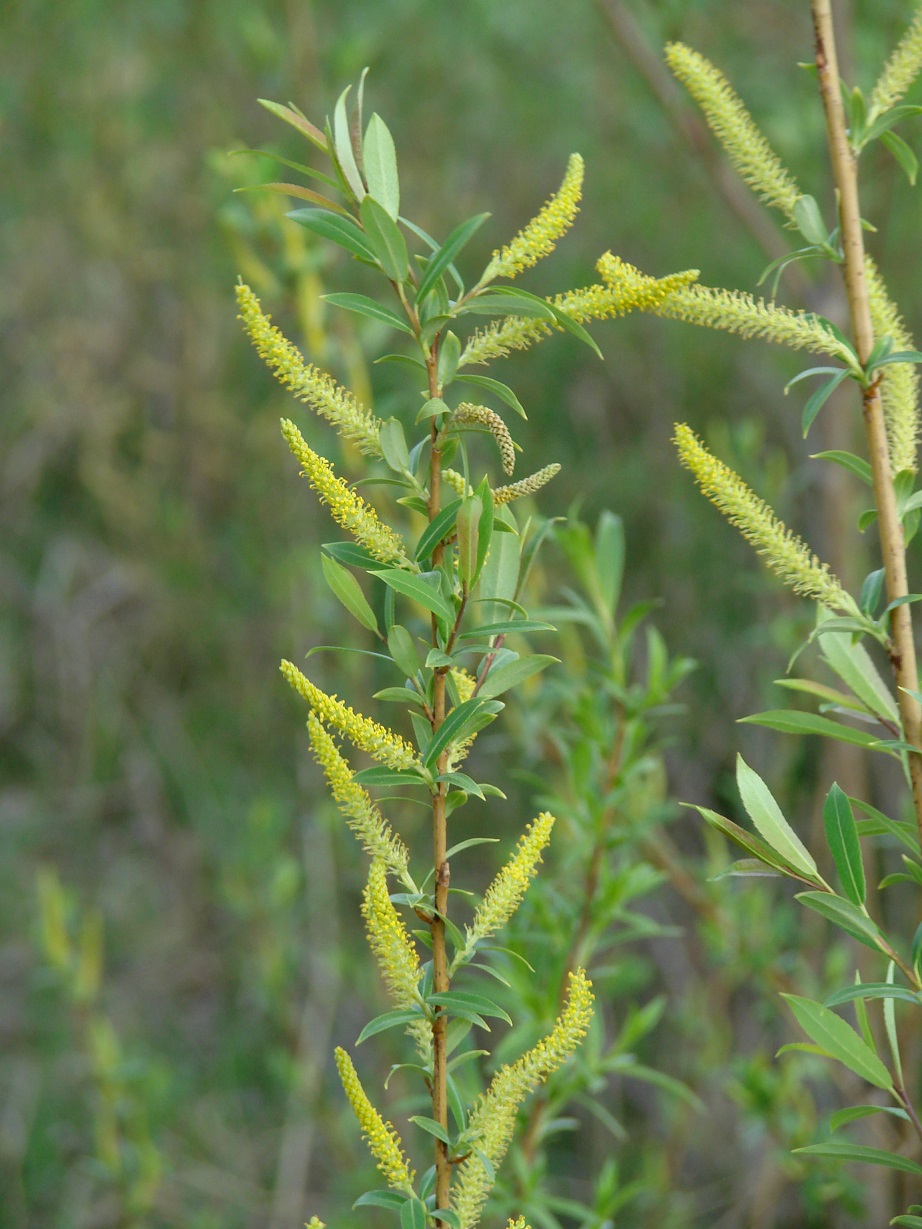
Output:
[[446, 254], [842, 836], [387, 243], [500, 680], [765, 813], [836, 1036], [331, 226], [362, 305], [791, 722], [845, 915], [390, 1019], [857, 1152], [438, 528], [503, 391], [379, 159], [347, 589], [419, 589]]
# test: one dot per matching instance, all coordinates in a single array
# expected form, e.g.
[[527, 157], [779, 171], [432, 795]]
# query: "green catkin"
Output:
[[749, 152], [785, 553], [491, 422], [899, 387], [900, 71]]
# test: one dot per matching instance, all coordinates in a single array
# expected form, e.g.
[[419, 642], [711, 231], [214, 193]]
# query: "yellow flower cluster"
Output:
[[308, 383], [785, 553], [525, 486], [383, 1141], [465, 683], [733, 310], [540, 236], [362, 816], [899, 389], [347, 509], [749, 152], [596, 302], [900, 70], [507, 891], [490, 421], [377, 740], [494, 1113], [394, 951], [456, 482], [315, 1223]]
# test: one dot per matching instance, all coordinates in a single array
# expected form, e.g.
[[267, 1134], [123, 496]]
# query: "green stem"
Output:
[[844, 165]]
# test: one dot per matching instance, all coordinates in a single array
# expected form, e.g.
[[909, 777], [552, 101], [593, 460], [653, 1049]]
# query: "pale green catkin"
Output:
[[899, 387], [900, 71]]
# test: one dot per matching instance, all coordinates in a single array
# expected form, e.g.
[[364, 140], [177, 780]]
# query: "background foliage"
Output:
[[155, 563]]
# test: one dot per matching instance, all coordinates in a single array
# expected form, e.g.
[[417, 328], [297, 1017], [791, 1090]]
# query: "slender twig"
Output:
[[844, 165]]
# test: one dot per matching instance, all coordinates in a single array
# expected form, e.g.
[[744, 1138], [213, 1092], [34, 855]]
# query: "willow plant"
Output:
[[440, 598], [858, 708]]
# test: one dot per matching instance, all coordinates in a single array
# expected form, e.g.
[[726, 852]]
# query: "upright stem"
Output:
[[844, 165], [440, 975]]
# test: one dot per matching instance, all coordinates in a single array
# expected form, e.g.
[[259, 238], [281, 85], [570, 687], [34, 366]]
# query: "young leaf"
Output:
[[751, 844], [342, 143], [842, 836], [431, 1127], [840, 1040], [304, 126], [809, 221], [441, 259], [389, 1019], [348, 590], [413, 1215], [765, 813], [848, 460], [503, 391], [394, 446], [469, 514], [438, 528], [457, 725], [902, 153], [381, 1199], [387, 243], [379, 159]]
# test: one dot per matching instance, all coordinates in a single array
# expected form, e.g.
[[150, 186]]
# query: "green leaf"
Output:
[[819, 398], [507, 627], [449, 355], [388, 776], [351, 554], [431, 1127], [750, 868], [364, 306], [459, 723], [502, 391], [290, 116], [387, 243], [457, 999], [857, 1152], [845, 915], [469, 844], [842, 836], [837, 1037], [403, 650], [792, 722], [379, 159], [419, 589], [854, 666], [380, 1199], [765, 813], [299, 191], [809, 221], [848, 460], [450, 1217], [445, 255], [853, 1113], [438, 528], [399, 695], [908, 161], [873, 990], [469, 514], [342, 143], [347, 589], [413, 1215], [433, 407], [566, 322], [389, 1019], [751, 844], [331, 226], [499, 680], [914, 1222]]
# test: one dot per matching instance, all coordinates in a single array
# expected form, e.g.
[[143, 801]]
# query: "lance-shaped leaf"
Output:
[[842, 835], [420, 589], [379, 159], [765, 813], [752, 844], [845, 915], [441, 259], [386, 241], [348, 590], [469, 514], [840, 1040], [870, 1156]]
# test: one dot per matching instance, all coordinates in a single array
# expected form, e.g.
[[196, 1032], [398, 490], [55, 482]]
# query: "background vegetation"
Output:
[[156, 561]]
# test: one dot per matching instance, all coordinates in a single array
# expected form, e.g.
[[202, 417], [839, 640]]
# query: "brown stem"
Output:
[[440, 975], [844, 165]]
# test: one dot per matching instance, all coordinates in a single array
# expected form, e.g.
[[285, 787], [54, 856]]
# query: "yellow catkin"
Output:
[[899, 388], [785, 553], [494, 1113], [347, 509], [596, 302], [394, 952], [377, 740], [315, 1223], [308, 383], [507, 891], [539, 237], [362, 816], [383, 1141], [490, 421], [526, 486], [731, 310], [900, 70], [749, 152]]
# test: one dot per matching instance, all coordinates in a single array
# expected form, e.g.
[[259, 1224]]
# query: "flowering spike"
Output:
[[308, 383], [362, 816], [315, 1223], [749, 152], [494, 1113], [787, 555], [507, 891], [899, 389], [900, 70], [394, 951], [596, 302], [526, 486], [383, 1141], [379, 742], [733, 310], [346, 508], [490, 421], [540, 236]]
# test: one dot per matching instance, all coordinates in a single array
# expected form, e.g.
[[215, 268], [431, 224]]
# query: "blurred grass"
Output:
[[157, 555]]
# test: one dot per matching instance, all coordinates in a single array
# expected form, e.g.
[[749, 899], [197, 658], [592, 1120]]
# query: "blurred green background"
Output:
[[158, 556]]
